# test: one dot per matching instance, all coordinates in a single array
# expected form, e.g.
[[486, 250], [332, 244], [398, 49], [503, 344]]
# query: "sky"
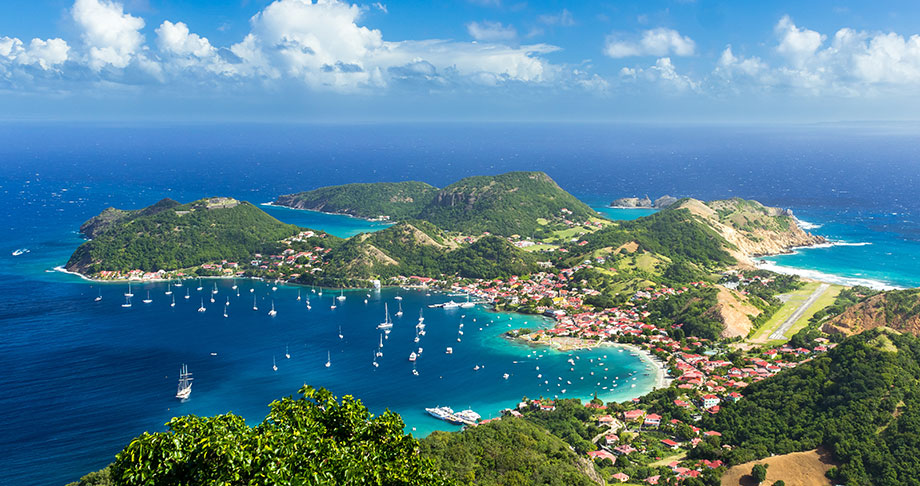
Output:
[[687, 61]]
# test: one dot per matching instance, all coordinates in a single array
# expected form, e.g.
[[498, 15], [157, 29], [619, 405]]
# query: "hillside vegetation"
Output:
[[167, 236], [896, 309], [396, 200], [861, 401], [503, 204]]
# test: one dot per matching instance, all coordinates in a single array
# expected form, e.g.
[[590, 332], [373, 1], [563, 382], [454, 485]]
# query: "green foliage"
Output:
[[503, 204], [693, 309], [511, 451], [314, 439], [673, 233], [759, 472], [860, 400], [398, 200], [102, 477], [180, 237], [567, 422]]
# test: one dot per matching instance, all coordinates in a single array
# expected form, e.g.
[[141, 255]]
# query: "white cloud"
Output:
[[491, 31], [564, 19], [797, 44], [46, 54], [661, 41], [112, 36], [662, 75], [176, 39]]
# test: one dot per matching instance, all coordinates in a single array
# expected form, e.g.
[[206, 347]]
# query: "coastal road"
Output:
[[784, 327]]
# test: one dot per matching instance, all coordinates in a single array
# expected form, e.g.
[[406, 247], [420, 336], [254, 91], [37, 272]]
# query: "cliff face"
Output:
[[634, 202], [752, 228], [898, 310]]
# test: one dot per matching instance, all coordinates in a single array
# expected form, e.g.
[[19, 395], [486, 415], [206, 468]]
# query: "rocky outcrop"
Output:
[[898, 310], [735, 313], [665, 201], [644, 203], [751, 228], [110, 217]]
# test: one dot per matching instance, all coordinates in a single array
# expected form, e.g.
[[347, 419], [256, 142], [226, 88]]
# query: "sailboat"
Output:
[[199, 285], [98, 297], [187, 296], [215, 288], [234, 285], [148, 299], [341, 295], [333, 304], [168, 289], [228, 301], [328, 359], [274, 365], [468, 303], [185, 383], [225, 311], [127, 302], [298, 294], [398, 297], [173, 303], [399, 313], [414, 371], [178, 283], [386, 324], [254, 306], [273, 312], [341, 336], [376, 364], [287, 353], [129, 293], [380, 348], [202, 309], [308, 304], [421, 318], [313, 288]]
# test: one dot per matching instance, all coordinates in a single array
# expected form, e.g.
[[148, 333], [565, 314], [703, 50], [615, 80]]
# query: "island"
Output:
[[756, 373]]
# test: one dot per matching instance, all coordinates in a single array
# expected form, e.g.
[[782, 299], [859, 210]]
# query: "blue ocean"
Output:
[[81, 378]]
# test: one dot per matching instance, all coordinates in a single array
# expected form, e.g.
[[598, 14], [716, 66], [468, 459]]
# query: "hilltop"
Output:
[[895, 309], [504, 204], [387, 200], [171, 236]]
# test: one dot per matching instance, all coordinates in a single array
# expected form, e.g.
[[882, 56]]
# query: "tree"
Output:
[[313, 439], [780, 483], [759, 472]]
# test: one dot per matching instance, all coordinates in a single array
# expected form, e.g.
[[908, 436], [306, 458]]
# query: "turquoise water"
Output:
[[336, 224]]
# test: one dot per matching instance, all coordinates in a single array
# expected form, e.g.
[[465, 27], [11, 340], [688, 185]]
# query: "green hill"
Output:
[[510, 451], [167, 236], [395, 200], [503, 204], [419, 248], [860, 400]]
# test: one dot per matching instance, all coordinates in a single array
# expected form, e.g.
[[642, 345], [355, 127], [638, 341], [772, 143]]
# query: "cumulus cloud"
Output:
[[491, 31], [46, 54], [663, 75], [176, 39], [661, 41], [112, 36]]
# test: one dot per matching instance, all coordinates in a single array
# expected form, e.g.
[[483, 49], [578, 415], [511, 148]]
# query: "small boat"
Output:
[[274, 365], [421, 318], [365, 301], [298, 294], [234, 287], [398, 297], [225, 311], [254, 306], [505, 376], [187, 296], [340, 333], [202, 309], [20, 251], [199, 285], [127, 302], [173, 303], [313, 289], [129, 293], [375, 363], [414, 371], [178, 283], [185, 383], [328, 359], [341, 295], [449, 350], [333, 305], [228, 301], [308, 304], [148, 299], [412, 356], [273, 312], [399, 313], [168, 289], [98, 297], [476, 368], [287, 353], [386, 324]]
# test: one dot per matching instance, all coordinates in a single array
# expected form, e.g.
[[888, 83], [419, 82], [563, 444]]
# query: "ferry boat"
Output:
[[450, 305], [443, 413], [185, 383]]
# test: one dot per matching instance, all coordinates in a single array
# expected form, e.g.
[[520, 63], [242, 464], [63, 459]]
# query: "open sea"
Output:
[[81, 378]]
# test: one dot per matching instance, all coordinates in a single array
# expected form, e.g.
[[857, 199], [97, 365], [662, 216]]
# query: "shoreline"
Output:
[[825, 277], [273, 205]]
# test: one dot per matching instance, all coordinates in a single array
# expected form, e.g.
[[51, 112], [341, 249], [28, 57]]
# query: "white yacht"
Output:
[[185, 383]]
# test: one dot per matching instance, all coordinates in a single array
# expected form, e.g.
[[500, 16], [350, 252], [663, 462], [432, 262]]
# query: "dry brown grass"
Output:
[[796, 469]]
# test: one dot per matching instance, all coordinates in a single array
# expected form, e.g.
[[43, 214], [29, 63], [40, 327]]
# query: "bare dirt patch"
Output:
[[795, 469]]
